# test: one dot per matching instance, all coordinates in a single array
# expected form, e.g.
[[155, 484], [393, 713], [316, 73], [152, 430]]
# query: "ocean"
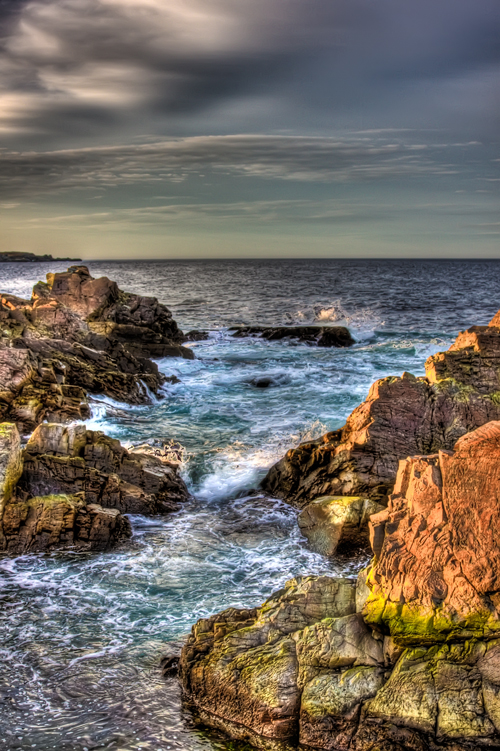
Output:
[[83, 633]]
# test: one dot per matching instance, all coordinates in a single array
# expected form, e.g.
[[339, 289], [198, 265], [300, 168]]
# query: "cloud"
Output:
[[357, 158], [84, 67]]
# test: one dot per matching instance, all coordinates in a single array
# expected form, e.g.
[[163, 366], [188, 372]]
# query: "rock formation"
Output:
[[80, 335], [70, 486], [416, 667], [322, 336], [337, 524], [401, 417]]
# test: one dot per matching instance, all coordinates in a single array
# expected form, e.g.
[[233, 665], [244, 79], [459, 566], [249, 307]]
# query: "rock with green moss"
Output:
[[240, 669], [436, 574], [337, 524]]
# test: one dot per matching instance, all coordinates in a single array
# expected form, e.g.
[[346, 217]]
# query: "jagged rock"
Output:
[[80, 335], [418, 668], [56, 521], [70, 460], [337, 523], [322, 336], [11, 467], [240, 668], [400, 417], [437, 571]]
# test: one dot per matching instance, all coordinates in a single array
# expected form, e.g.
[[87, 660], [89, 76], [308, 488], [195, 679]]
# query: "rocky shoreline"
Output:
[[407, 657], [69, 486]]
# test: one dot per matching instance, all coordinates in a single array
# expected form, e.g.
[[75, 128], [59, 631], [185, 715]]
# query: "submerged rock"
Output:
[[400, 417], [337, 523], [322, 336], [80, 335]]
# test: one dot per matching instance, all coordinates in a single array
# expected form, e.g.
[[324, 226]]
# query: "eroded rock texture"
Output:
[[321, 336], [437, 570], [70, 487], [33, 520], [411, 660], [401, 417], [80, 335], [72, 459]]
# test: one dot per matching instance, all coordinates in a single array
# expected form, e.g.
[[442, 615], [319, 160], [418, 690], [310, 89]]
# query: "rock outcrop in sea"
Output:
[[80, 335], [401, 417], [406, 658], [321, 336], [71, 486]]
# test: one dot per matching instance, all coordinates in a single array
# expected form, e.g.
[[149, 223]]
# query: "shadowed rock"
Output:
[[322, 336], [337, 523]]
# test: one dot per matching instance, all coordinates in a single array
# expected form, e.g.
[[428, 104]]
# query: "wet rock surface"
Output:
[[70, 487], [322, 336], [400, 417], [80, 335], [407, 659], [337, 524]]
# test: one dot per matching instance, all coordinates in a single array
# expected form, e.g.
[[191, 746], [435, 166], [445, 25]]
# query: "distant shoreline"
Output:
[[7, 256]]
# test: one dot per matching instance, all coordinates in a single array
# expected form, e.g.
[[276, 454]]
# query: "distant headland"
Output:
[[30, 257]]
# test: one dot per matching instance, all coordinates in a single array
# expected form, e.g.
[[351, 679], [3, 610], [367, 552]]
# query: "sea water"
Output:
[[82, 634]]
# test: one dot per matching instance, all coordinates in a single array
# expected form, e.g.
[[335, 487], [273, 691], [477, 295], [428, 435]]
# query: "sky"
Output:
[[250, 128]]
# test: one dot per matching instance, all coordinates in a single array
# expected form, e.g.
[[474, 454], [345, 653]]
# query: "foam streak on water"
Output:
[[82, 634]]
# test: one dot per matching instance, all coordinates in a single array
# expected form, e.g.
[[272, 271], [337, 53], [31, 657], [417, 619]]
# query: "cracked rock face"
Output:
[[80, 335], [409, 659], [400, 417], [71, 486], [437, 568]]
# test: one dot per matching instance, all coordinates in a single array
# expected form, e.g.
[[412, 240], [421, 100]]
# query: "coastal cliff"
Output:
[[407, 658], [402, 416]]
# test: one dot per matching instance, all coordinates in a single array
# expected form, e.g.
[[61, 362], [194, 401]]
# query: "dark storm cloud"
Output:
[[84, 66], [365, 157]]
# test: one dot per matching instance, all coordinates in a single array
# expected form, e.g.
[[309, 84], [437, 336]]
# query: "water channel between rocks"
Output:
[[82, 634]]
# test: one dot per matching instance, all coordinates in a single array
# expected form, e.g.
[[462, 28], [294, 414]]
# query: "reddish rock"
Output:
[[437, 569], [400, 417]]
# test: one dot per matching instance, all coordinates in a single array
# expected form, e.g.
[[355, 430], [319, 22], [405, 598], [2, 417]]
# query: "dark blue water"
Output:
[[82, 634]]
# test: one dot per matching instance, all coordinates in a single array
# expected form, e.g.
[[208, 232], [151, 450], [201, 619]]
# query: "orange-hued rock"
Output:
[[400, 417], [436, 573]]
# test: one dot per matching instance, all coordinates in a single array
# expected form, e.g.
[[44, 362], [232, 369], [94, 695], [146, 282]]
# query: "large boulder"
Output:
[[400, 417], [79, 335], [43, 523], [411, 661], [337, 524], [71, 459], [240, 669]]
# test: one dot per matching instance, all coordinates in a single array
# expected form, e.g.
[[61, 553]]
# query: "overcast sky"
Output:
[[214, 128]]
